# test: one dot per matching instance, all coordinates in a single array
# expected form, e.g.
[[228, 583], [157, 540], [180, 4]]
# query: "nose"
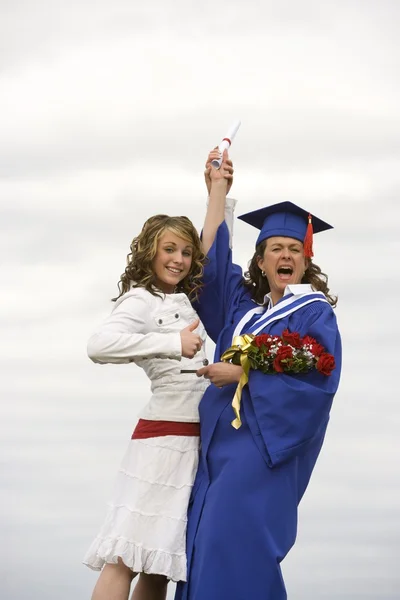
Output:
[[178, 258], [285, 253]]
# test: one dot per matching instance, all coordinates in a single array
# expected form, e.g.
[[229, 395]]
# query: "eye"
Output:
[[187, 253], [295, 250], [169, 250]]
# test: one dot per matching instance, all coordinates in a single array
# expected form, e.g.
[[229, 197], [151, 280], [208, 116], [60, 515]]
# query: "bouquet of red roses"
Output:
[[288, 353]]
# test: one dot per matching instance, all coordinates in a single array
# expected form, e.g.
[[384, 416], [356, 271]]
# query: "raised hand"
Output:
[[191, 342], [221, 373], [224, 173]]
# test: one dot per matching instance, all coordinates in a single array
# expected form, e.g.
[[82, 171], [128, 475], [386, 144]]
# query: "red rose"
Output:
[[308, 341], [261, 340], [283, 353], [292, 338], [317, 349], [326, 363]]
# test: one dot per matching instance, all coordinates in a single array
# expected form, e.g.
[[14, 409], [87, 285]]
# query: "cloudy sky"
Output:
[[107, 112]]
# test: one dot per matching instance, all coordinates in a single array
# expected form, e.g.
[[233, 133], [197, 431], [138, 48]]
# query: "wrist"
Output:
[[219, 183], [239, 372]]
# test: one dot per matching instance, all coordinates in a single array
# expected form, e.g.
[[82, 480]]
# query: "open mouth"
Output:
[[285, 272]]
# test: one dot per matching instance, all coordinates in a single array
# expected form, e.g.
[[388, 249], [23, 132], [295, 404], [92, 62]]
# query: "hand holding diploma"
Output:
[[225, 172]]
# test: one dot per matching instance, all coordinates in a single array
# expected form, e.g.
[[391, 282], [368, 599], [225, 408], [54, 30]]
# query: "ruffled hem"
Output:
[[136, 557]]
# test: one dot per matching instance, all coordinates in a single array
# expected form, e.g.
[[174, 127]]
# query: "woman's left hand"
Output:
[[225, 172], [221, 373]]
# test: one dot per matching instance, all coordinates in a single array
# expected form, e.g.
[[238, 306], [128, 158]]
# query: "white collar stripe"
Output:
[[276, 312], [276, 317], [246, 318], [292, 300]]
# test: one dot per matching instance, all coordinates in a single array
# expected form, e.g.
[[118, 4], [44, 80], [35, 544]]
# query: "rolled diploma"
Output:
[[226, 143]]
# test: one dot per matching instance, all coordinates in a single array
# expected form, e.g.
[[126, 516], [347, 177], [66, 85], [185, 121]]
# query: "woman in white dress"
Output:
[[154, 325]]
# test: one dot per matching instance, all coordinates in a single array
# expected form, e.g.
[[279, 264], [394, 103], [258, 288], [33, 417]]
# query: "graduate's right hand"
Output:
[[225, 172], [221, 373], [191, 342]]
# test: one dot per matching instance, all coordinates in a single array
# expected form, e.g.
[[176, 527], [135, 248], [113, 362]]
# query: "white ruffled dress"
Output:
[[146, 520], [145, 524]]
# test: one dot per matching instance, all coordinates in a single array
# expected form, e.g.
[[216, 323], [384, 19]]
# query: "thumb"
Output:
[[193, 325], [202, 371]]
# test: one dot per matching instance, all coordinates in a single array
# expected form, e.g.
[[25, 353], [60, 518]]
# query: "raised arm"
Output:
[[222, 292], [218, 183]]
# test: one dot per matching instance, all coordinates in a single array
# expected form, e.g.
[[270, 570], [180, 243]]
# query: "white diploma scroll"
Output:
[[226, 143]]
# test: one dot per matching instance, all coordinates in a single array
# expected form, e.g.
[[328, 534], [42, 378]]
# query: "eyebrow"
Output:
[[166, 243], [297, 244]]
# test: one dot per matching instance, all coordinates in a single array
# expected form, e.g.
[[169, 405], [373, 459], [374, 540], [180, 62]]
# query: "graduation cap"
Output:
[[288, 220]]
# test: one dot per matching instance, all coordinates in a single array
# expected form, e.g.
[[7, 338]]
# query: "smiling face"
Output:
[[283, 263], [172, 261]]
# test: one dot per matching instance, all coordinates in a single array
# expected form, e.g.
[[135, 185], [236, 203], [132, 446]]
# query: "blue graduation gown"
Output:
[[242, 516]]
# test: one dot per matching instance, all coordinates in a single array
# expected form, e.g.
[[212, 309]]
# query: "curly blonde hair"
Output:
[[259, 286], [139, 262]]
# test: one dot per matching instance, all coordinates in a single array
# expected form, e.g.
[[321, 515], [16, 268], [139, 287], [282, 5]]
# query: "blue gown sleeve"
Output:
[[223, 289], [292, 411]]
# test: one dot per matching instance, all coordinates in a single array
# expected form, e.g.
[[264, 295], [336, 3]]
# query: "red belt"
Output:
[[148, 429]]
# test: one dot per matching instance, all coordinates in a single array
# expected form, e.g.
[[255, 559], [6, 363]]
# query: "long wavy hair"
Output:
[[139, 262], [259, 286]]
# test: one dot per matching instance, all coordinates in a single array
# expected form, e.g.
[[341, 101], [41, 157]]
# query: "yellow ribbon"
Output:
[[241, 343]]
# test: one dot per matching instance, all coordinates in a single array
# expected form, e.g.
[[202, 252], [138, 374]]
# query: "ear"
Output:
[[260, 260], [307, 262]]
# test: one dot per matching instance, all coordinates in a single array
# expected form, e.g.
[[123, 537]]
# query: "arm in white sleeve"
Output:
[[230, 204], [124, 336]]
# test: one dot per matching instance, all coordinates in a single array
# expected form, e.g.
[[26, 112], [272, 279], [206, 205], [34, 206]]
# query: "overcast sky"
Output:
[[107, 112]]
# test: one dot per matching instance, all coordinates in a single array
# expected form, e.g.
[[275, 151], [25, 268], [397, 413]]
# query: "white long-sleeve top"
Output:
[[145, 329]]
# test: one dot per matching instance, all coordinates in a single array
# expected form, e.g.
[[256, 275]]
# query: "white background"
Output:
[[107, 112]]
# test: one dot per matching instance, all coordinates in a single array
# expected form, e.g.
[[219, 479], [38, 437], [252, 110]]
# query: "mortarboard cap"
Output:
[[288, 220]]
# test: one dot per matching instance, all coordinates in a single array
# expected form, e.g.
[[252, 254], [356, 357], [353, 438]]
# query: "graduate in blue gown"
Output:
[[242, 518]]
